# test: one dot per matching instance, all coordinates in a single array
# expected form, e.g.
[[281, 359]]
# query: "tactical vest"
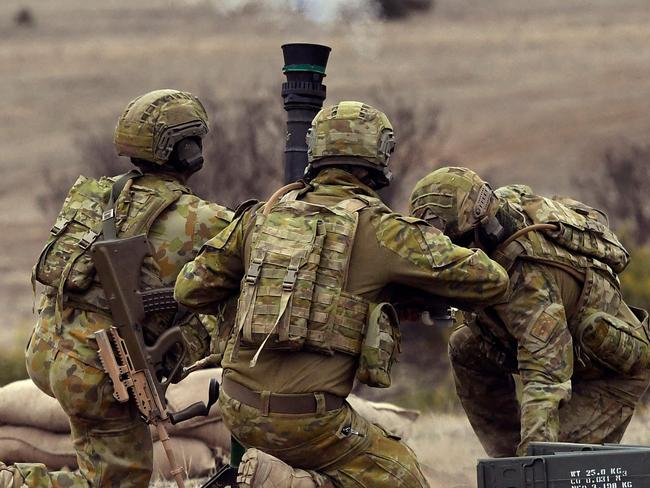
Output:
[[292, 295], [65, 262], [585, 247], [582, 239]]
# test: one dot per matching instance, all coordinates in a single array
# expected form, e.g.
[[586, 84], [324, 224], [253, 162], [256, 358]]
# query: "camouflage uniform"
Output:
[[387, 249], [113, 445], [567, 393]]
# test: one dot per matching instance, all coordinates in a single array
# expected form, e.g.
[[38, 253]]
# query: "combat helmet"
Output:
[[352, 130], [456, 201], [153, 123]]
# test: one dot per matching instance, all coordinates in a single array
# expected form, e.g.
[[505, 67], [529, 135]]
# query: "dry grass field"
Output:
[[528, 92], [448, 448]]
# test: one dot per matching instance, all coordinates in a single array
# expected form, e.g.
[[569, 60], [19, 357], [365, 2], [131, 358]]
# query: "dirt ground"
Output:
[[448, 449]]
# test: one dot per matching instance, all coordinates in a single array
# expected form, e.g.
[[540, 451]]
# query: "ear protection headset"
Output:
[[488, 230], [187, 155]]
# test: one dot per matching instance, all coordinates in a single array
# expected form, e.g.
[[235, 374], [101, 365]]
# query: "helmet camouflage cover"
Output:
[[153, 123], [351, 129], [453, 199]]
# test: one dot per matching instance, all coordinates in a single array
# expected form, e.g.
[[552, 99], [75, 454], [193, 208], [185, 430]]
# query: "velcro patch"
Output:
[[545, 324]]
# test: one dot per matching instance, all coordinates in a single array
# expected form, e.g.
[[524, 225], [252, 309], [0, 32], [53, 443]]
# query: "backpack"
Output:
[[580, 229], [65, 262]]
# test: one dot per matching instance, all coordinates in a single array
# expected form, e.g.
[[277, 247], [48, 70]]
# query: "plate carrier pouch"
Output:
[[580, 229], [380, 346], [65, 262], [292, 295], [614, 343]]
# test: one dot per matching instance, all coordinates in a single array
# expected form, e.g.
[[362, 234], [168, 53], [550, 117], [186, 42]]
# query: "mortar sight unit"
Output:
[[303, 94]]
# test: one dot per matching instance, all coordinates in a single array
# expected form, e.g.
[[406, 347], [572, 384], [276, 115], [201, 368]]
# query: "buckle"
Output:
[[290, 278], [254, 271], [108, 214], [59, 226], [87, 239]]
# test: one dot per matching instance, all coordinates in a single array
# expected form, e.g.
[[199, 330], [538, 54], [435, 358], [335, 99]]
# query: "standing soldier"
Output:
[[312, 268], [161, 132], [581, 353]]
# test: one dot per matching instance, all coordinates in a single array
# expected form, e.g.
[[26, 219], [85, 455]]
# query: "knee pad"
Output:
[[614, 343], [461, 342]]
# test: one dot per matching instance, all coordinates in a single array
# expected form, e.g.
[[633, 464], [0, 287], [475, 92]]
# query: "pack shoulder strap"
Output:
[[109, 229]]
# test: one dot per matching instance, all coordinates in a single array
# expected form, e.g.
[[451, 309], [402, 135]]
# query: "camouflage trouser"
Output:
[[113, 445], [600, 408], [365, 456]]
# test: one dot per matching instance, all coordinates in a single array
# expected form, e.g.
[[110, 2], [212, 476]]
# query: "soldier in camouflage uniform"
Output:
[[161, 131], [580, 352], [313, 271]]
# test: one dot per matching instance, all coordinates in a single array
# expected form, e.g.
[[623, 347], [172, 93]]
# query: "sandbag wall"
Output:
[[33, 427]]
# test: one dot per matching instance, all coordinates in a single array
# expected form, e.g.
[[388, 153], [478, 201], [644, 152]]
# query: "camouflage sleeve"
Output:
[[208, 220], [430, 262], [215, 273], [179, 232], [535, 316]]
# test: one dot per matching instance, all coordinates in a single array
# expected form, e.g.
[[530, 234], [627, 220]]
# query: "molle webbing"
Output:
[[292, 294], [94, 207], [507, 256], [580, 231], [541, 248]]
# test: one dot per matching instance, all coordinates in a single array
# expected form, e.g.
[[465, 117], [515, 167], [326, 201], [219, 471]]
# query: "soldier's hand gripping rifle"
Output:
[[136, 370]]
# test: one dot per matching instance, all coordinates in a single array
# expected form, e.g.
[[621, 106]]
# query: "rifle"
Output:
[[135, 369]]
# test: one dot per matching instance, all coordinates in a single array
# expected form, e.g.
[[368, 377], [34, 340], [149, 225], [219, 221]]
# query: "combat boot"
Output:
[[259, 469]]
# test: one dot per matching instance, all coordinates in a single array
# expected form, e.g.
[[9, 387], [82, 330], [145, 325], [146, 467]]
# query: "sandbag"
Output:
[[214, 434], [45, 414], [192, 454], [32, 445], [22, 403], [397, 420]]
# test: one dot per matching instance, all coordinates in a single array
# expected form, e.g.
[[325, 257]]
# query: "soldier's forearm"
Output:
[[540, 419]]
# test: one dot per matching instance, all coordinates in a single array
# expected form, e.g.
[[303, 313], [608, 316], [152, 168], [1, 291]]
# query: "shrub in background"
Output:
[[397, 9], [618, 186]]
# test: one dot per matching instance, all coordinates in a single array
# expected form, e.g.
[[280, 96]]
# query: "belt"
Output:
[[317, 402]]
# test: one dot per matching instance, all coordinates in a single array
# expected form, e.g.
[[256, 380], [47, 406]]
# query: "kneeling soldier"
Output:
[[161, 132], [312, 267], [581, 353]]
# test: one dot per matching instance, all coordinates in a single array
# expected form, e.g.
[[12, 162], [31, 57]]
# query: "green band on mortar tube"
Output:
[[314, 68]]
